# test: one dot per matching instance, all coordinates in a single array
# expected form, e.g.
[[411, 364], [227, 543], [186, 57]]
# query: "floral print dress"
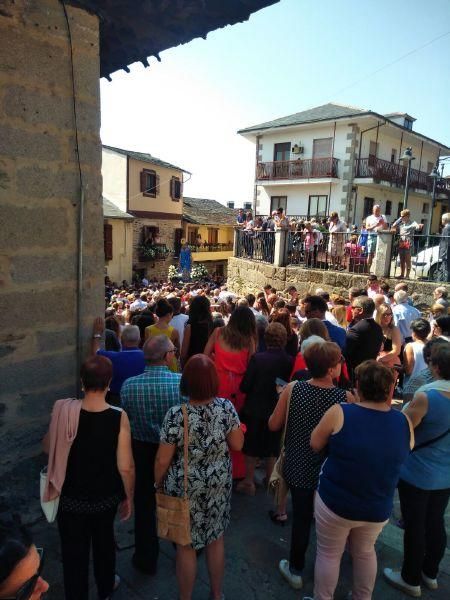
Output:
[[209, 465]]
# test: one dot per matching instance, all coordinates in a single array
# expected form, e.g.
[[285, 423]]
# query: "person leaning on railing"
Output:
[[406, 229], [444, 252]]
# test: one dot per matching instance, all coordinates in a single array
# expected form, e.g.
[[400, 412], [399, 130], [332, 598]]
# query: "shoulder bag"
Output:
[[172, 512], [49, 507], [277, 485]]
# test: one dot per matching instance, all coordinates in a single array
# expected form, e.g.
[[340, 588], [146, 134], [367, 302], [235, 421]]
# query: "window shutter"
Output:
[[107, 240], [143, 181], [322, 147], [172, 188], [177, 189], [156, 184]]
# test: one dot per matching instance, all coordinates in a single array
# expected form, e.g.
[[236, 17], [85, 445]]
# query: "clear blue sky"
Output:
[[291, 56]]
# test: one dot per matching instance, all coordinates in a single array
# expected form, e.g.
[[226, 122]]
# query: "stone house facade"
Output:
[[345, 159], [152, 191]]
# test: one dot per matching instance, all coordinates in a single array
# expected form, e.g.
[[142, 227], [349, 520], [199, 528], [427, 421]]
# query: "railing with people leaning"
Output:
[[418, 256], [255, 245], [387, 254], [324, 250]]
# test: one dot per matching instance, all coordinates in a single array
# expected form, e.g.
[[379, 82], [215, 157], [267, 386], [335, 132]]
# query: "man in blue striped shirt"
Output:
[[146, 399]]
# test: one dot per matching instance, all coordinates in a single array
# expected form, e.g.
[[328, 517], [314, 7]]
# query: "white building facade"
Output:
[[345, 159]]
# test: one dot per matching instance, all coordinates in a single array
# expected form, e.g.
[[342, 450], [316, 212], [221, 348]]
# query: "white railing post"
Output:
[[281, 241], [382, 261]]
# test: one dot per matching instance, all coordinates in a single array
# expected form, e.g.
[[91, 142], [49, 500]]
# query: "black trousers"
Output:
[[145, 532], [302, 516], [425, 539], [77, 533]]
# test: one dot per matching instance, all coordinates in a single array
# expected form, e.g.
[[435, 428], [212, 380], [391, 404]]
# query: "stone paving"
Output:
[[254, 546]]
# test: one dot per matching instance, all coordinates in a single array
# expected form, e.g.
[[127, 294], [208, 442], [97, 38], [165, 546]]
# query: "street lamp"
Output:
[[407, 156], [435, 176]]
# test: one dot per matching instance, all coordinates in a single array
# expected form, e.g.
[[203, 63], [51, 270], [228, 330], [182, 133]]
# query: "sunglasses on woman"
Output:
[[26, 590]]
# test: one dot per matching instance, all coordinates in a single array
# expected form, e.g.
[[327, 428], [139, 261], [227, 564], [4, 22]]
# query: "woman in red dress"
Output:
[[230, 348]]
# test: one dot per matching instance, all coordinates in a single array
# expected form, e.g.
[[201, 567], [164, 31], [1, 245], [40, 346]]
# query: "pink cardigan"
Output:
[[63, 430]]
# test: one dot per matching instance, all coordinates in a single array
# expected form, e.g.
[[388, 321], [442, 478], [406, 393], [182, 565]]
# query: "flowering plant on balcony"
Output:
[[199, 271], [153, 251]]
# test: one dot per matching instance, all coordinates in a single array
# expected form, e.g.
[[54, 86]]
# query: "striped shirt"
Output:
[[146, 399]]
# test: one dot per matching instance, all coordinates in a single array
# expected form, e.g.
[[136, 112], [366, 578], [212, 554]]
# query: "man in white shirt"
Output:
[[374, 223], [139, 304], [178, 320]]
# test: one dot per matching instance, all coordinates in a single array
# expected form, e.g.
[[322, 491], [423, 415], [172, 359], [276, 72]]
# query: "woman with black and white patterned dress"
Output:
[[213, 430], [306, 402]]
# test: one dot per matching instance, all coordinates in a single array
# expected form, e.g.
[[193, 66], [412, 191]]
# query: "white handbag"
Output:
[[50, 508]]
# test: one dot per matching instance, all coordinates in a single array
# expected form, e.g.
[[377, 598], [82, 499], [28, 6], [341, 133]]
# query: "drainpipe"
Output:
[[79, 293], [255, 188]]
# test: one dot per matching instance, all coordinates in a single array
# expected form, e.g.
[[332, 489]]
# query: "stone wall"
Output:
[[39, 207], [246, 276]]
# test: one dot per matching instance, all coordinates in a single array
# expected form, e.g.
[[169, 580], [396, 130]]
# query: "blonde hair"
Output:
[[340, 313], [439, 309], [381, 310]]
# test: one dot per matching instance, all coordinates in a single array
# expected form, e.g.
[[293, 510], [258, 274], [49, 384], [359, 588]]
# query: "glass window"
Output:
[[317, 206], [368, 206], [388, 210], [278, 202], [282, 151]]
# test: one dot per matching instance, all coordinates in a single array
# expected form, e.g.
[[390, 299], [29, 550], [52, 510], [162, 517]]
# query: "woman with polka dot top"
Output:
[[305, 403]]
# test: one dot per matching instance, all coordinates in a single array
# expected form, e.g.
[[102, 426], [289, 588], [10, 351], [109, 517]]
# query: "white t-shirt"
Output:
[[179, 322], [374, 220], [331, 318]]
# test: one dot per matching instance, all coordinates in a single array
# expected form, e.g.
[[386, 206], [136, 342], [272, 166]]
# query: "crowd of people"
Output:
[[329, 242], [302, 386]]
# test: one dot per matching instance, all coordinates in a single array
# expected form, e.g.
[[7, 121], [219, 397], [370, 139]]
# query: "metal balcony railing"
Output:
[[312, 168]]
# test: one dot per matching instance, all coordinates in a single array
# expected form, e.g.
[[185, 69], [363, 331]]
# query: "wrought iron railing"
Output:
[[383, 170], [211, 247], [423, 254], [255, 245], [298, 169], [328, 251]]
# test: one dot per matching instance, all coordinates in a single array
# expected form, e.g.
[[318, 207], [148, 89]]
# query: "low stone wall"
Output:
[[246, 276]]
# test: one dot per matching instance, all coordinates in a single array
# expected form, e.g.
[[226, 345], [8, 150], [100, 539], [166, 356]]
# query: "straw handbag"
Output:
[[174, 521], [277, 485]]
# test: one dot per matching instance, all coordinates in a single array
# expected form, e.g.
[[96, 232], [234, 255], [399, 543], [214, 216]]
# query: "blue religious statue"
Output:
[[185, 260]]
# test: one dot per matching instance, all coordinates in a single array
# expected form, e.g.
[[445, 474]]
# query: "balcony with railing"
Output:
[[312, 168], [383, 170], [205, 252]]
